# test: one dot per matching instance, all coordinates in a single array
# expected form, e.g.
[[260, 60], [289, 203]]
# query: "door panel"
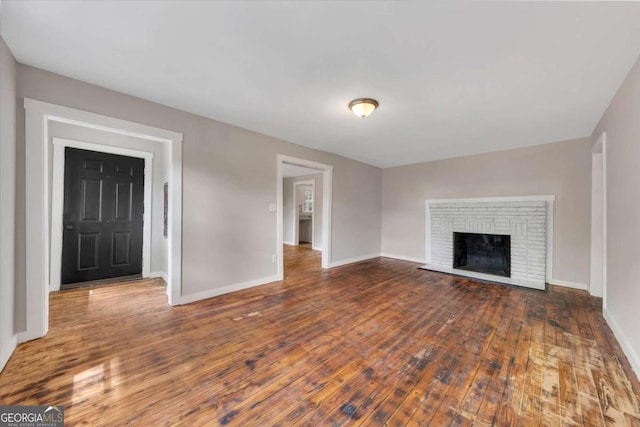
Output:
[[124, 194], [91, 199], [88, 251], [121, 248], [102, 218]]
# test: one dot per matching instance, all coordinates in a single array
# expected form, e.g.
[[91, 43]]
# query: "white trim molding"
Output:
[[568, 284], [6, 350], [160, 274], [38, 115], [227, 289], [327, 197], [627, 348], [57, 201], [403, 258], [600, 147], [353, 260]]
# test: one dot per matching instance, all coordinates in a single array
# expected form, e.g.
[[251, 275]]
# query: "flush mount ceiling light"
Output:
[[362, 107]]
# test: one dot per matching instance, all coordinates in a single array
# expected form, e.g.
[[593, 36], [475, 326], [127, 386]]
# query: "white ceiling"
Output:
[[452, 78]]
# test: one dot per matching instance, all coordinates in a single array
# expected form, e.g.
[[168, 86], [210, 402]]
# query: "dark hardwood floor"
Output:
[[374, 343]]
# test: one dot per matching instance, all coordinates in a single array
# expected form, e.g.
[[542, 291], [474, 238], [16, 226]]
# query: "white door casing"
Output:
[[598, 270], [38, 115], [327, 191]]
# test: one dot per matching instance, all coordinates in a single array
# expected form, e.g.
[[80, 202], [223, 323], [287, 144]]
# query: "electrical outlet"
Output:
[[274, 258]]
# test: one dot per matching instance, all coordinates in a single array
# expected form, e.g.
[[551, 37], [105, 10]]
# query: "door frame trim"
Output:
[[327, 198], [57, 201], [38, 115], [600, 147]]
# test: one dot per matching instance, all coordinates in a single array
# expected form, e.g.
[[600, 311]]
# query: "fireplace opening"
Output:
[[483, 253]]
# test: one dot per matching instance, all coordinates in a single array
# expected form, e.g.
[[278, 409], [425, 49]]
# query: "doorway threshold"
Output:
[[109, 281]]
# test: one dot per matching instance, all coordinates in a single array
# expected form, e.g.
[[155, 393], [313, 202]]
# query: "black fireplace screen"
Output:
[[483, 253]]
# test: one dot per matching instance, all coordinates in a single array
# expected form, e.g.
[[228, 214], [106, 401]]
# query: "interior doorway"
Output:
[[304, 207], [102, 217], [42, 243]]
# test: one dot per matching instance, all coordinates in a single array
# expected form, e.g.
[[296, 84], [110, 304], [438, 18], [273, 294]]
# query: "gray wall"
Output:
[[7, 199], [561, 169], [621, 122], [287, 213], [229, 180]]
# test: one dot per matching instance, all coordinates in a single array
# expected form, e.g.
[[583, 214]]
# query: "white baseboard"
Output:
[[352, 260], [210, 293], [628, 350], [568, 284], [160, 274], [403, 258], [289, 243], [7, 350], [317, 248], [30, 335]]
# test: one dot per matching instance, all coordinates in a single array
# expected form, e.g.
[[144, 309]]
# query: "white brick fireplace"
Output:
[[527, 220]]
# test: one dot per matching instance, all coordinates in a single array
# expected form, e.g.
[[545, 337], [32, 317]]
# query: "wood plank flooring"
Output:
[[374, 343]]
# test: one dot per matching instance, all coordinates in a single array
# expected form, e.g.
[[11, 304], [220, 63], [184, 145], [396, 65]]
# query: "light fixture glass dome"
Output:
[[362, 107]]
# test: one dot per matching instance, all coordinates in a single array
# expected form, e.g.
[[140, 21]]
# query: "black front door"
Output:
[[102, 218]]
